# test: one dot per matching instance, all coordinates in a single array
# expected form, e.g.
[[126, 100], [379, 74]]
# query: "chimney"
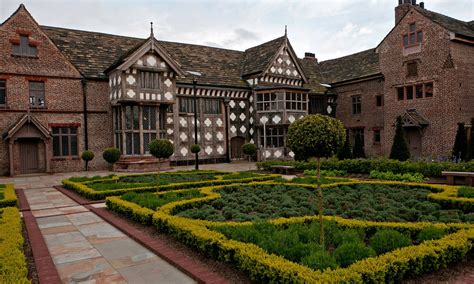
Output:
[[422, 5], [402, 9], [310, 56]]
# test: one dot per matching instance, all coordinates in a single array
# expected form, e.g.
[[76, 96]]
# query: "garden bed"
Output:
[[294, 253], [7, 196], [98, 188]]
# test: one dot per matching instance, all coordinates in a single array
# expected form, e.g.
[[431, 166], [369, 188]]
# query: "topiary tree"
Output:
[[400, 149], [460, 143], [195, 148], [470, 148], [345, 152], [161, 149], [111, 156], [87, 156], [249, 149], [316, 136], [358, 151]]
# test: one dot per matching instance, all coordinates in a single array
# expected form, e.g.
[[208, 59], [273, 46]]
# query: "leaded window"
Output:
[[36, 90], [296, 101], [273, 136], [24, 47], [186, 105], [149, 80], [212, 106], [356, 104], [65, 141]]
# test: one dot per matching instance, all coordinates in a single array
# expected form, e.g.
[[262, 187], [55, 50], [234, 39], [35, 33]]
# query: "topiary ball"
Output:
[[87, 155], [387, 240], [249, 149], [348, 253], [161, 148], [195, 148], [111, 155]]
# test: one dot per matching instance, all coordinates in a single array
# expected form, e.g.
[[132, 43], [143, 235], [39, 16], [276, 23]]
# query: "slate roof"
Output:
[[454, 25], [92, 53], [357, 65], [312, 71], [257, 58]]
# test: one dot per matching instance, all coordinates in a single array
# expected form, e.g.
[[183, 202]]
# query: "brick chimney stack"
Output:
[[402, 9], [310, 56]]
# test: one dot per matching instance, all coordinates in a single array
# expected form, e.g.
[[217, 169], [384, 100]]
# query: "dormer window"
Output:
[[24, 47], [413, 37]]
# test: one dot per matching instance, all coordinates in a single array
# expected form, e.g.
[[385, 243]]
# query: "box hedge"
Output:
[[9, 196]]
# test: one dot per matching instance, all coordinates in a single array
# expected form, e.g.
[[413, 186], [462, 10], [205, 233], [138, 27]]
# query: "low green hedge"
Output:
[[13, 265], [269, 268], [364, 166], [9, 196], [84, 190]]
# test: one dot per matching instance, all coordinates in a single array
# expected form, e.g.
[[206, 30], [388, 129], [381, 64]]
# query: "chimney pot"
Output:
[[309, 55], [422, 5]]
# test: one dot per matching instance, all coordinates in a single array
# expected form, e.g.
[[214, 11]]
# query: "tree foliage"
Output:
[[111, 155], [358, 151], [249, 149], [400, 149], [195, 148], [87, 156], [316, 136], [161, 148], [460, 143]]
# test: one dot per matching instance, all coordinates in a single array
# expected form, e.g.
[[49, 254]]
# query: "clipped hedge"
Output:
[[9, 199], [364, 166], [84, 190], [264, 267], [13, 265], [448, 197]]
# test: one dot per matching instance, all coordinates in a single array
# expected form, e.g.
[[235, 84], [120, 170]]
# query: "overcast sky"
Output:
[[328, 28]]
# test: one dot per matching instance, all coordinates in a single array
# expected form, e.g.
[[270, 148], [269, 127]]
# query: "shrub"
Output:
[[319, 259], [400, 149], [466, 191], [430, 233], [87, 156], [195, 148], [415, 177], [348, 253], [8, 196], [345, 152], [387, 240], [326, 173], [347, 236], [161, 149], [111, 155], [460, 143]]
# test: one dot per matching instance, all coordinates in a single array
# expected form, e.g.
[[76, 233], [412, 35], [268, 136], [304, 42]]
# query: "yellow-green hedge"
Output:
[[9, 199], [90, 193], [13, 265], [265, 267]]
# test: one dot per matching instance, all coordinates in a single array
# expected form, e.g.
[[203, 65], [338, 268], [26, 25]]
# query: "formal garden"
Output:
[[338, 220]]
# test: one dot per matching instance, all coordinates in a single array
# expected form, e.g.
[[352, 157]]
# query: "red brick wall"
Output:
[[370, 117], [442, 110]]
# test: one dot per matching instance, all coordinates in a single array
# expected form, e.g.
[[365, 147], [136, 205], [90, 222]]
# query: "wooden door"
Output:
[[413, 136], [236, 144], [29, 156]]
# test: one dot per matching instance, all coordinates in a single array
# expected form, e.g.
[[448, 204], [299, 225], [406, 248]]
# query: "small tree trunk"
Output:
[[87, 166], [249, 162], [320, 205], [159, 164]]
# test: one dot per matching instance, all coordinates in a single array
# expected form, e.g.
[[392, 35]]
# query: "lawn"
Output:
[[374, 202]]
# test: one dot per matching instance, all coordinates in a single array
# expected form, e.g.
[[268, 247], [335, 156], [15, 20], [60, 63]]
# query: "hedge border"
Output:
[[14, 268], [89, 193], [261, 266], [10, 199]]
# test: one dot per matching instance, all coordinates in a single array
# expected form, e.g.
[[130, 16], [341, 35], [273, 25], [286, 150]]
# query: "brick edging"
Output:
[[47, 272], [76, 197], [23, 204], [190, 267]]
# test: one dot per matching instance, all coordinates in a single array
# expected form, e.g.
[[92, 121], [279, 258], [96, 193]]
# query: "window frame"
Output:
[[296, 101], [272, 134], [144, 78], [413, 71], [60, 136], [24, 47], [414, 93], [379, 101], [270, 101], [4, 91], [416, 33], [189, 106], [211, 106], [377, 136], [33, 93], [356, 104]]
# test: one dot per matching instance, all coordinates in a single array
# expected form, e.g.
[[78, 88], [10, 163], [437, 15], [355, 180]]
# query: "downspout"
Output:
[[84, 98]]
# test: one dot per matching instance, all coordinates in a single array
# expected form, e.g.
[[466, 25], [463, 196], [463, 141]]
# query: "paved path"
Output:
[[85, 248]]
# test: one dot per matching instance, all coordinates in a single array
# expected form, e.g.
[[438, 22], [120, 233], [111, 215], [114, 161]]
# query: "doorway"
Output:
[[29, 162], [413, 136], [236, 144]]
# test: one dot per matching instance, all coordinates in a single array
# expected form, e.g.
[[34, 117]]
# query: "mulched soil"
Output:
[[462, 272], [32, 272], [225, 270]]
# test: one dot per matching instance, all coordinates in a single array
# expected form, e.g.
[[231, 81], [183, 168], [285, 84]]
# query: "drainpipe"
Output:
[[84, 98]]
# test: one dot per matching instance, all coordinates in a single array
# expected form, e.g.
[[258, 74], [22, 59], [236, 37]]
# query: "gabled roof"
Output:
[[257, 58], [93, 53], [26, 118], [454, 25], [358, 65], [411, 118], [313, 72]]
